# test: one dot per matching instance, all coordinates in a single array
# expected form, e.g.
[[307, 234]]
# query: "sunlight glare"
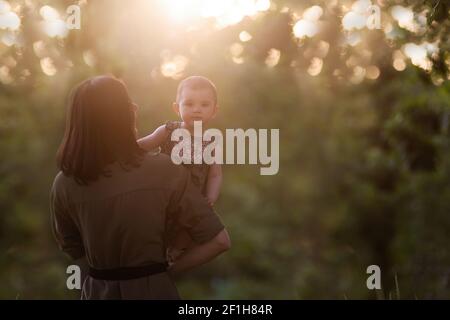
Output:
[[236, 49], [403, 16], [262, 5], [48, 67], [361, 6], [315, 67], [353, 38], [53, 25], [399, 64], [224, 12], [5, 76], [174, 68], [8, 39], [55, 28], [305, 28], [273, 57], [354, 20], [358, 75], [49, 13], [89, 58], [313, 13], [418, 55], [244, 36], [9, 20], [373, 72], [308, 25], [4, 6]]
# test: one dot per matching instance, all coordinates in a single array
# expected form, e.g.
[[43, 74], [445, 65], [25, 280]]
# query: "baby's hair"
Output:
[[196, 82]]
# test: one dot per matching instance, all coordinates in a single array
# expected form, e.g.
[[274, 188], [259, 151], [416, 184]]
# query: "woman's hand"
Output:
[[210, 201], [201, 253]]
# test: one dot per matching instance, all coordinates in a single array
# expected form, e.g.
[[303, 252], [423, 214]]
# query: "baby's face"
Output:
[[196, 105]]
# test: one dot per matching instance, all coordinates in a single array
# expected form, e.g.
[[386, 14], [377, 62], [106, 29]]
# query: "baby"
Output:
[[196, 101]]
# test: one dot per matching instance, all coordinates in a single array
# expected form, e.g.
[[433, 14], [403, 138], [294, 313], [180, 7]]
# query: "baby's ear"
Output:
[[216, 109], [176, 108]]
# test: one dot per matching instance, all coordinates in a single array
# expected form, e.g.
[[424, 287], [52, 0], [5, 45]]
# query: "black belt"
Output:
[[127, 273]]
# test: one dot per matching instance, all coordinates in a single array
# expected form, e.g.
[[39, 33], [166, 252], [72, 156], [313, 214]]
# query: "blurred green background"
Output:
[[363, 115]]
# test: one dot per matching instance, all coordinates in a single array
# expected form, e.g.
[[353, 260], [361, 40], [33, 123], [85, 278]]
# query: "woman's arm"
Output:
[[155, 139], [65, 230], [214, 183], [202, 253], [192, 213]]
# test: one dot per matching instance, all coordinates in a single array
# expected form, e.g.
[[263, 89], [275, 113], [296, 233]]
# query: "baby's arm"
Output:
[[154, 140], [214, 183]]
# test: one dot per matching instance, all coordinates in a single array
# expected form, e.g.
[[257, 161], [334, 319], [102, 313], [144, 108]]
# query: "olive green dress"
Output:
[[120, 221]]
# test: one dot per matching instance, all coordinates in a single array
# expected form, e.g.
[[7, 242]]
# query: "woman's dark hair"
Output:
[[100, 130]]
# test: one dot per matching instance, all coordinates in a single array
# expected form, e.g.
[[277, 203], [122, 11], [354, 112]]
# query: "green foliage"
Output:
[[364, 168]]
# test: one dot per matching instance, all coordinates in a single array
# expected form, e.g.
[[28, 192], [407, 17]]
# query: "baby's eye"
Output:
[[205, 105]]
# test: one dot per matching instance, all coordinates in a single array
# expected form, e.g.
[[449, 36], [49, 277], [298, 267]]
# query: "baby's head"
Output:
[[196, 100]]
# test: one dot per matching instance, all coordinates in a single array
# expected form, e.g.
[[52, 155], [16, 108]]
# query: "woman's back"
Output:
[[120, 220]]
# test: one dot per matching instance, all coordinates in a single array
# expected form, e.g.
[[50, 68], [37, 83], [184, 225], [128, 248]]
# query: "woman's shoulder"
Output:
[[62, 185], [151, 158], [156, 170], [61, 180]]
